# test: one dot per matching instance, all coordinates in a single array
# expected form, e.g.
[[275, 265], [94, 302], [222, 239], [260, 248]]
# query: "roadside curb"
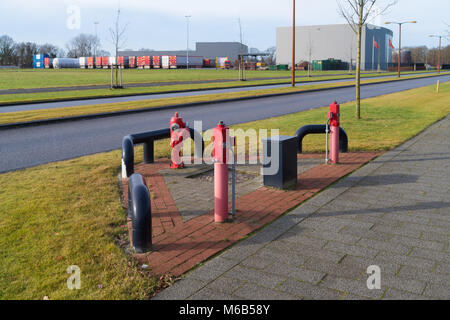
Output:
[[179, 106]]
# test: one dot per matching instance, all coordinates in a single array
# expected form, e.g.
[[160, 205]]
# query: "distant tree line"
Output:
[[21, 53], [429, 56]]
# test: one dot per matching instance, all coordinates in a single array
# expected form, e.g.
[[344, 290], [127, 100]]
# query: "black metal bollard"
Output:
[[139, 210], [127, 156], [198, 149], [149, 151], [319, 129]]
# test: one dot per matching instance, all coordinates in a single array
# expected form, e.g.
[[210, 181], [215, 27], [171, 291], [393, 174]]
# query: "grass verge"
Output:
[[42, 78], [70, 213], [6, 99], [44, 114]]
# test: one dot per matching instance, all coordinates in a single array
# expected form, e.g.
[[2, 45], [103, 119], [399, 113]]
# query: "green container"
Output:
[[273, 68], [329, 64], [283, 67], [317, 65]]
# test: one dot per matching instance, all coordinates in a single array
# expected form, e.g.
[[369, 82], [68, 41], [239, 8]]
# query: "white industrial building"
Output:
[[323, 42]]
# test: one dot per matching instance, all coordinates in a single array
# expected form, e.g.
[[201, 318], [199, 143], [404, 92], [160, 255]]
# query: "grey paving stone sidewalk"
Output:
[[393, 213]]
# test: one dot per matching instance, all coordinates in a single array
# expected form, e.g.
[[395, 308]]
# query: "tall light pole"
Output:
[[293, 45], [400, 41], [95, 46], [187, 43], [439, 51]]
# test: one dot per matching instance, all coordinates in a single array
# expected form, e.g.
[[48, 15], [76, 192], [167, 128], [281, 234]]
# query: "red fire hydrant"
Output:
[[177, 126], [221, 139], [334, 117]]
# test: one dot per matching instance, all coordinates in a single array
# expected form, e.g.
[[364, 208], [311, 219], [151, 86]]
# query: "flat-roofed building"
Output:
[[208, 50], [338, 41]]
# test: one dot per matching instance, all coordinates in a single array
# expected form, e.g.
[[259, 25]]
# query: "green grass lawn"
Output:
[[160, 74], [45, 78], [32, 115], [70, 212]]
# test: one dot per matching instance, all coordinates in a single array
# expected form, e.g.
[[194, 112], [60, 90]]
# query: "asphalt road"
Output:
[[31, 146], [65, 104]]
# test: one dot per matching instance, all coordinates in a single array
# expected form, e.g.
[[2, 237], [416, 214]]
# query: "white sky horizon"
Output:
[[161, 25]]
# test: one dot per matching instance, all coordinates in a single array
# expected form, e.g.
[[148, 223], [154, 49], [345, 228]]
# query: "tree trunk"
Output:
[[358, 68]]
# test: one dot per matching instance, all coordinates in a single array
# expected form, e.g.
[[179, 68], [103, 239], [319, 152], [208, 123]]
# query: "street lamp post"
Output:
[[187, 43], [439, 51], [95, 45], [400, 41], [293, 45]]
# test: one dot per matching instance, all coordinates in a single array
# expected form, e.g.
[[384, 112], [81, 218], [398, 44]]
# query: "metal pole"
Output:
[[399, 47], [112, 77], [293, 46], [378, 60], [233, 185], [95, 47], [327, 130], [439, 55], [187, 43], [121, 82], [373, 53]]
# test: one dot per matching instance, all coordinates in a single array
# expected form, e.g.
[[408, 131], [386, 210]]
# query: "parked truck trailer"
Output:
[[83, 62], [98, 62], [156, 62], [62, 63], [165, 62], [48, 63], [194, 61], [132, 62], [90, 62]]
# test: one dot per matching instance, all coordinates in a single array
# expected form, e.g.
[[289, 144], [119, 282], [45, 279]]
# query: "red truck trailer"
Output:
[[98, 62], [147, 62], [172, 62], [123, 62], [48, 63], [156, 62], [144, 62], [139, 63], [90, 62], [105, 62], [132, 62]]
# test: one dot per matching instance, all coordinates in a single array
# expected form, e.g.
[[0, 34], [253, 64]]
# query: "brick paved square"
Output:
[[392, 213]]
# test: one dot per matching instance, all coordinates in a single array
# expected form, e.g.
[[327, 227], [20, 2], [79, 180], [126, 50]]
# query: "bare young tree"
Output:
[[357, 13], [310, 49], [272, 51], [117, 34]]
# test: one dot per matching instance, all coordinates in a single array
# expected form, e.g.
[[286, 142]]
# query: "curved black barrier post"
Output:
[[127, 156], [198, 150], [318, 129], [148, 139], [140, 212], [343, 140]]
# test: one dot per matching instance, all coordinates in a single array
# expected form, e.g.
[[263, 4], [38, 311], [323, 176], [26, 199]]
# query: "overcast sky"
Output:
[[162, 24]]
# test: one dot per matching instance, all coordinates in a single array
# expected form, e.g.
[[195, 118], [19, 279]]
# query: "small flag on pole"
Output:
[[375, 43], [390, 44]]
